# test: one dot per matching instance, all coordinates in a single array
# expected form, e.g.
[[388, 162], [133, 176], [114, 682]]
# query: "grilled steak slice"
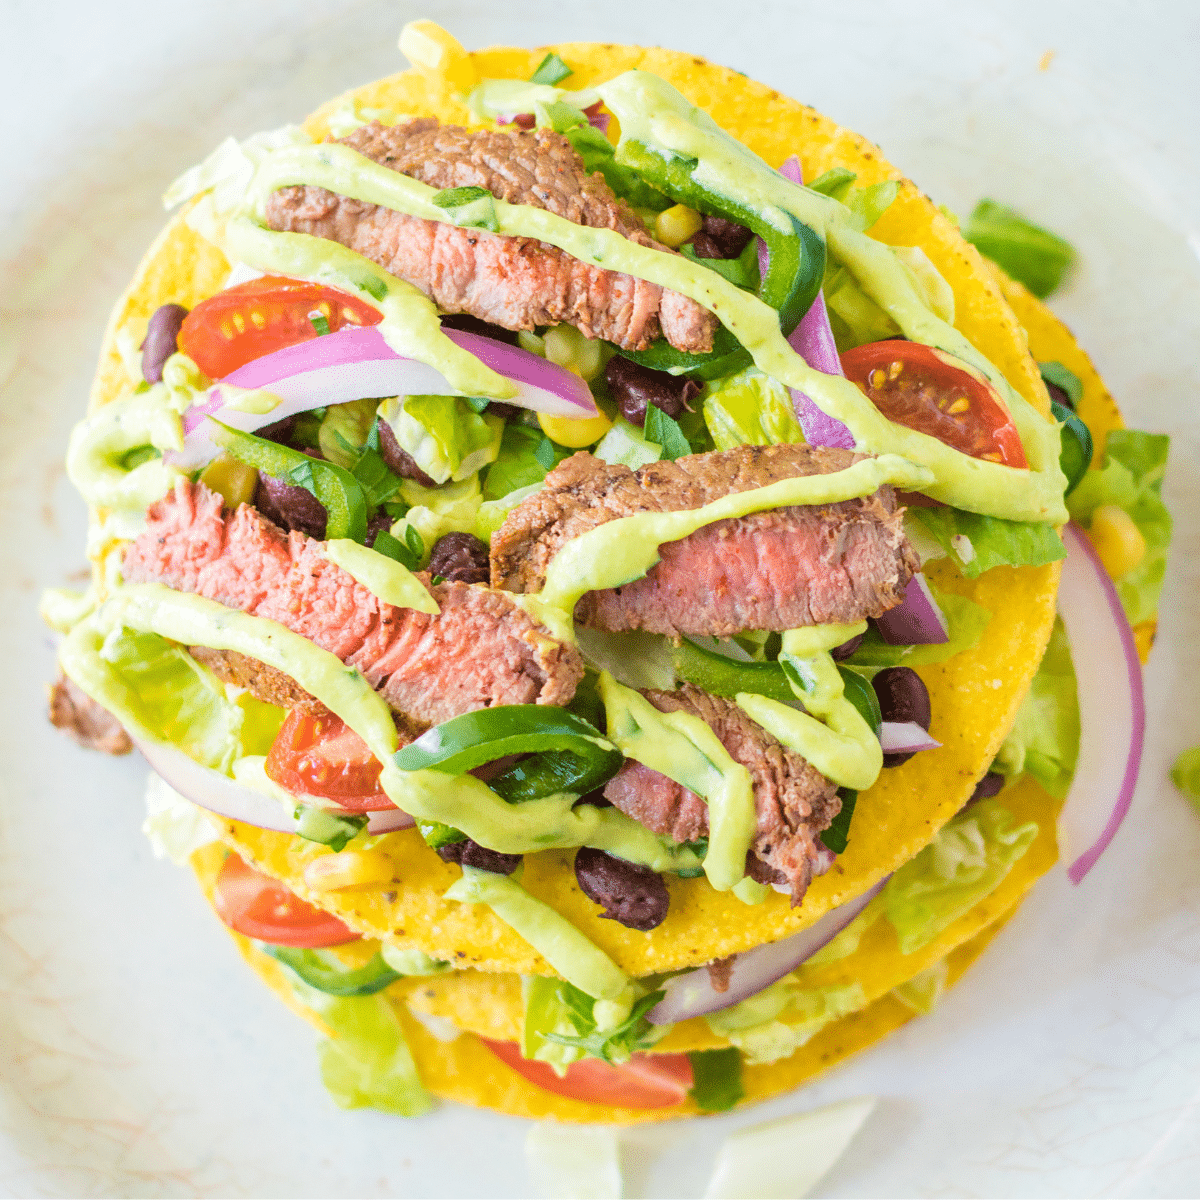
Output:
[[479, 651], [793, 800], [516, 283], [74, 712], [773, 570]]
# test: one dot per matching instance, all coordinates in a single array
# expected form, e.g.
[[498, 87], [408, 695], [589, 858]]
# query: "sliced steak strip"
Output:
[[79, 716], [793, 800], [773, 570], [481, 649], [516, 283]]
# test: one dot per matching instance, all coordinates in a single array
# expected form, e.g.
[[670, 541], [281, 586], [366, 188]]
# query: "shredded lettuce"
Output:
[[776, 1022], [866, 205], [526, 456], [966, 622], [923, 991], [445, 436], [787, 1157], [367, 1062], [1131, 478], [853, 316], [716, 1079], [750, 409], [1036, 257], [977, 543], [573, 1162], [492, 513], [344, 430], [965, 863], [666, 433], [626, 444], [1044, 739]]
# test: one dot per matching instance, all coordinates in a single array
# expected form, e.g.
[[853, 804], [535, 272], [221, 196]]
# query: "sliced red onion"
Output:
[[905, 737], [357, 362], [917, 621], [227, 798], [1112, 707], [693, 995], [813, 340]]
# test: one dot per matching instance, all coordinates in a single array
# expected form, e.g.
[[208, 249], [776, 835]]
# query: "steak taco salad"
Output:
[[610, 582]]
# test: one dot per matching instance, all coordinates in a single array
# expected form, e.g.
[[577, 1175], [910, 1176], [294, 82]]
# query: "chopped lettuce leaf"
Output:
[[716, 1079], [626, 444], [787, 1157], [517, 465], [749, 409], [573, 1162], [1131, 478], [665, 432], [344, 431], [1044, 739], [776, 1022], [637, 659], [175, 826], [978, 543], [853, 316], [963, 864], [435, 512], [550, 70], [367, 1062], [966, 622], [492, 513], [1185, 775], [923, 991], [1036, 257], [866, 205], [445, 436]]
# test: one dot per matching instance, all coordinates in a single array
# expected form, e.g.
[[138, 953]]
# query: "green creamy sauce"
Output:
[[620, 551], [568, 951], [683, 748], [383, 577]]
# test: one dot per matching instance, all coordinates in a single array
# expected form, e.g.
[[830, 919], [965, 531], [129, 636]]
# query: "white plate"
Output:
[[139, 1057]]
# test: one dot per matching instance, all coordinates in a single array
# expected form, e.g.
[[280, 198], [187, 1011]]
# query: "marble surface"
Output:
[[139, 1057]]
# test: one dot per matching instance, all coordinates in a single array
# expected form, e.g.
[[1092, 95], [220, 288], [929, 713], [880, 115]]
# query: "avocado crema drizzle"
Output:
[[655, 119]]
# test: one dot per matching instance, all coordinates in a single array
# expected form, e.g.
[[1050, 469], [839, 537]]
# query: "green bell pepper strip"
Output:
[[468, 741], [333, 980], [1077, 445], [795, 268], [837, 834], [336, 489], [328, 828], [556, 771], [723, 676]]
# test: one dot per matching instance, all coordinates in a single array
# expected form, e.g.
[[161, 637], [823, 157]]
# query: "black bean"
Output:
[[1059, 394], [634, 387], [902, 697], [472, 854], [279, 432], [720, 238], [843, 652], [376, 525], [990, 785], [461, 557], [162, 336], [290, 507], [398, 459], [634, 896]]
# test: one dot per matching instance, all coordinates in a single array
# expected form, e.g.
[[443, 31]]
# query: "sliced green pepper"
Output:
[[795, 268], [722, 676], [333, 979], [858, 690], [716, 1079], [838, 834], [1077, 445], [580, 759], [328, 828], [336, 489]]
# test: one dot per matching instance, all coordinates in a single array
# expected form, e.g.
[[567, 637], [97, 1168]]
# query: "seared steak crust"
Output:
[[478, 651], [516, 283], [793, 800], [773, 570], [74, 712]]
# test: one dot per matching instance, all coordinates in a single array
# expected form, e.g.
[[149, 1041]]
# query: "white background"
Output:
[[137, 1054]]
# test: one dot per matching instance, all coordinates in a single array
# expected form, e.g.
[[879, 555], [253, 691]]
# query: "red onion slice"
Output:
[[357, 362], [227, 798], [905, 737], [813, 340], [692, 995], [917, 621], [1112, 707]]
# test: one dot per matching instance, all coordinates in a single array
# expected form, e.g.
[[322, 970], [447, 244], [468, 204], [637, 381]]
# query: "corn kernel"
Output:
[[567, 347], [674, 226], [1118, 542], [429, 47], [574, 432], [233, 481], [350, 868]]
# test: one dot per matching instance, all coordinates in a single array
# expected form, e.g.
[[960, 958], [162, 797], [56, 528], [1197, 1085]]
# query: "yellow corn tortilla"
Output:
[[974, 696]]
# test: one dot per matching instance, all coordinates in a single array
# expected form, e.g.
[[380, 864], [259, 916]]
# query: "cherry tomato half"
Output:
[[243, 323], [645, 1081], [260, 907], [322, 756], [933, 392]]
